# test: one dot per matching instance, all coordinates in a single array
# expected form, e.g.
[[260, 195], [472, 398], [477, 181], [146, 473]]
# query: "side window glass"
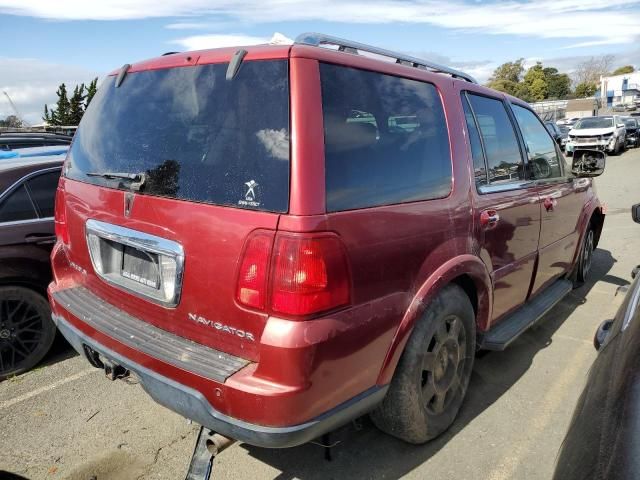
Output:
[[541, 149], [504, 161], [17, 206], [386, 139], [479, 165], [43, 192]]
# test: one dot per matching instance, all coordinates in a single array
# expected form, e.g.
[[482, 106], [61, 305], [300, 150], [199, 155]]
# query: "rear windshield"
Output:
[[386, 139], [195, 135]]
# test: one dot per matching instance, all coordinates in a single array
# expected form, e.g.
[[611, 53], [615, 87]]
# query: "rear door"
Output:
[[26, 210], [562, 196], [507, 203]]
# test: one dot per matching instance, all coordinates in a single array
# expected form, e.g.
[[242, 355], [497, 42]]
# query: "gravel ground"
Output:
[[64, 420]]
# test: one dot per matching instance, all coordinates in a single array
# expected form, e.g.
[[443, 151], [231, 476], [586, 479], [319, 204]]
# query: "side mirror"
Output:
[[620, 125], [601, 334], [635, 213], [588, 163]]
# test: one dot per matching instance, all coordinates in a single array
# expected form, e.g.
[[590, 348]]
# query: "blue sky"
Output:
[[75, 40]]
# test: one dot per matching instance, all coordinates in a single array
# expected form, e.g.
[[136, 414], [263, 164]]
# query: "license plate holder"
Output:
[[140, 266]]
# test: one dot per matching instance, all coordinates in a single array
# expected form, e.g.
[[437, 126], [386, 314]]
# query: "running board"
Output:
[[510, 328]]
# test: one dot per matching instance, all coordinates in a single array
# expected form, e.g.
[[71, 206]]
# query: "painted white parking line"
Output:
[[38, 391]]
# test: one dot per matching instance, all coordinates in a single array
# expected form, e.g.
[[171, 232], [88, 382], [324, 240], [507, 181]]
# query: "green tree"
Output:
[[585, 89], [12, 121], [623, 70], [47, 115], [70, 111], [61, 115], [558, 84], [76, 105], [507, 76], [91, 91], [536, 83]]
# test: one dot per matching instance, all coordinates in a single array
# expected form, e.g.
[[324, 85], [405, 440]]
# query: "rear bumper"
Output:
[[192, 404]]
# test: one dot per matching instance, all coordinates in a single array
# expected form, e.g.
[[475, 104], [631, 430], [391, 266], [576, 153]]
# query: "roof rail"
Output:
[[319, 39]]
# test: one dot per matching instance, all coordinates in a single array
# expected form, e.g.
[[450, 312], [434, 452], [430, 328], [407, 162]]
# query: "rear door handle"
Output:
[[40, 238], [489, 219]]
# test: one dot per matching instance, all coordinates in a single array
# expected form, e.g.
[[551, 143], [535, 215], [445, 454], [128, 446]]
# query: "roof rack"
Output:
[[319, 39]]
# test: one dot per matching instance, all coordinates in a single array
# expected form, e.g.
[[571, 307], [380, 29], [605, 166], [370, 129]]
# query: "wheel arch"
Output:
[[469, 273]]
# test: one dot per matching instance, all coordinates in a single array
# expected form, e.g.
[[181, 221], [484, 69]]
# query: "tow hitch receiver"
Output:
[[208, 445]]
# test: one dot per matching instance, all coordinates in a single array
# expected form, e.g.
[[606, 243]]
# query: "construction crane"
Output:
[[15, 110]]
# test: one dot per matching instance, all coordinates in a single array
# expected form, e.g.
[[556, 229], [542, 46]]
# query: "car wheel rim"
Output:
[[443, 365], [588, 254], [20, 333]]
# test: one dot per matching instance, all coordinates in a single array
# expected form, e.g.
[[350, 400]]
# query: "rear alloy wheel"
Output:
[[26, 330], [586, 255], [432, 376]]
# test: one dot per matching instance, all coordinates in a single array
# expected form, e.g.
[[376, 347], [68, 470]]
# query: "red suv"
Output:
[[278, 239]]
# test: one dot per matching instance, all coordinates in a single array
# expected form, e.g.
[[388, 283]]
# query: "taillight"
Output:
[[254, 269], [308, 274], [60, 217]]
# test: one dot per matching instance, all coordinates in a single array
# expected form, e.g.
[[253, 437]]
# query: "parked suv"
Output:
[[603, 133], [27, 192], [278, 239]]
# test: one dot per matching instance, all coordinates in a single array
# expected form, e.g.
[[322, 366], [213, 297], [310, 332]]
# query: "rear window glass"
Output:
[[386, 139], [195, 135]]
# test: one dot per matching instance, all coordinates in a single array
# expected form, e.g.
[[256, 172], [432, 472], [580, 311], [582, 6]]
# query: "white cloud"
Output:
[[614, 21], [201, 42], [31, 83]]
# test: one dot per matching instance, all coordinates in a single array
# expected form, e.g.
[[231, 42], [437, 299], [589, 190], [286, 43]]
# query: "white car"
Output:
[[602, 133]]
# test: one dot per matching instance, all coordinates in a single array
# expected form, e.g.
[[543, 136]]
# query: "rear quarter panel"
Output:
[[399, 254]]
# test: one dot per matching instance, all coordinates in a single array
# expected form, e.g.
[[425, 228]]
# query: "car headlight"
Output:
[[607, 135]]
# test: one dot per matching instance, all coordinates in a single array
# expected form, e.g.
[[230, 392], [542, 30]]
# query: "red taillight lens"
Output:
[[60, 217], [254, 270], [309, 275]]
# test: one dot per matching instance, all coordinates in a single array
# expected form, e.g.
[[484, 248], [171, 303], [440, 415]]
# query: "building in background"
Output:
[[619, 89]]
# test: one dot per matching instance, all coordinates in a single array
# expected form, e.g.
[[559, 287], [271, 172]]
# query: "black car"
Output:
[[603, 441], [27, 197], [632, 126], [14, 140], [556, 133]]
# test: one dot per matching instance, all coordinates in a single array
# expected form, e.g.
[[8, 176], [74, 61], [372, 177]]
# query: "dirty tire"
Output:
[[585, 260], [433, 373], [26, 330]]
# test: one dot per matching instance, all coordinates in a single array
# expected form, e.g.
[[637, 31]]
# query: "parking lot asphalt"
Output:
[[64, 420]]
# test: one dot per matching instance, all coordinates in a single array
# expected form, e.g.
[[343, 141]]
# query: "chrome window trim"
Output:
[[26, 222], [505, 187], [143, 241]]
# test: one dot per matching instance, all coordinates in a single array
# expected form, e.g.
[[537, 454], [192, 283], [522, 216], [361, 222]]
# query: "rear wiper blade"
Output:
[[136, 179]]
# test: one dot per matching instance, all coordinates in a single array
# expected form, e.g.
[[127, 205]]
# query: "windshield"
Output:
[[195, 135], [594, 122], [630, 123]]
